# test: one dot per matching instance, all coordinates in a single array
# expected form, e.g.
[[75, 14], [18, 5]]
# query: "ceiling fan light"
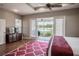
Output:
[[15, 10]]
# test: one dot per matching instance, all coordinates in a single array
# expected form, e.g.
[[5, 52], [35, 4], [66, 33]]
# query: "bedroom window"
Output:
[[18, 25], [42, 27], [46, 27]]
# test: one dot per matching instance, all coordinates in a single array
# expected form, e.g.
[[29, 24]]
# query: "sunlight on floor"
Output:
[[44, 39]]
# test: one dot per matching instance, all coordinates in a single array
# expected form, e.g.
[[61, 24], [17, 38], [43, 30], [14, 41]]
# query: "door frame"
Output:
[[4, 33]]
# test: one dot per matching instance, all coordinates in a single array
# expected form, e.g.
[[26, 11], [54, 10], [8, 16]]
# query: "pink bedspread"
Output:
[[60, 47]]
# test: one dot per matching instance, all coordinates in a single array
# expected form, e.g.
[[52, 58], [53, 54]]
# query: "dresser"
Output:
[[13, 36]]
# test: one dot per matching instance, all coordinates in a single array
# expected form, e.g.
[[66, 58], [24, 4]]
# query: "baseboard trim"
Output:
[[2, 43], [29, 38]]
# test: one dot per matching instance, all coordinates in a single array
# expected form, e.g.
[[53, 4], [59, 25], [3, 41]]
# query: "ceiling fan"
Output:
[[48, 5]]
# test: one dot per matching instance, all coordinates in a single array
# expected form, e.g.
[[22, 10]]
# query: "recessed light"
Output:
[[15, 10]]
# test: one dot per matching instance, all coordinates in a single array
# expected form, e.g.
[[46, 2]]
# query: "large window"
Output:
[[46, 27], [18, 25]]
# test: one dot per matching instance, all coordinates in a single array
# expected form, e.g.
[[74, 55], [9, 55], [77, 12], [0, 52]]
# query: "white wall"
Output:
[[72, 28], [26, 27], [9, 17], [71, 25]]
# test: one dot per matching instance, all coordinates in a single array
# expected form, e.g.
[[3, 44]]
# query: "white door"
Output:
[[2, 31], [60, 25]]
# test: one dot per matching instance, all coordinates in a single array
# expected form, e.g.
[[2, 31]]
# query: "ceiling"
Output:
[[25, 9]]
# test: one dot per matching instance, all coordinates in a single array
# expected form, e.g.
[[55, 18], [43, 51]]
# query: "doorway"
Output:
[[2, 31], [45, 28]]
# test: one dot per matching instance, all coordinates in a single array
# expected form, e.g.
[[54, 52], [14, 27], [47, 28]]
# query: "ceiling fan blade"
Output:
[[56, 5], [47, 6], [30, 6]]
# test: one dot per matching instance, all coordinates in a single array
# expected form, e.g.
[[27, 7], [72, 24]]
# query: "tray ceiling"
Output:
[[25, 9]]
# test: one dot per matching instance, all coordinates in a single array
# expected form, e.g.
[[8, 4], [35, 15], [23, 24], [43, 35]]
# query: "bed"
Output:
[[63, 46]]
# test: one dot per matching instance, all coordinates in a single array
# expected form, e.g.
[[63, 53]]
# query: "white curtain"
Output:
[[33, 29], [59, 27]]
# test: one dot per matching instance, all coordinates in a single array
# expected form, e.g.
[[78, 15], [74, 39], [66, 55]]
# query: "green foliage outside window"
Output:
[[46, 34], [45, 26]]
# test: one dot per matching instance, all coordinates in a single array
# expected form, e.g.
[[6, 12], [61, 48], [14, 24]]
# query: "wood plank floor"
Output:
[[11, 46]]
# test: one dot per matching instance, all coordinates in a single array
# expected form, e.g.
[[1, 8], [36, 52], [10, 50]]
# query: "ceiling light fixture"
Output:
[[15, 10]]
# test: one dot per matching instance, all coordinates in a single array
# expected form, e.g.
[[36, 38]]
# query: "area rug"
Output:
[[32, 48]]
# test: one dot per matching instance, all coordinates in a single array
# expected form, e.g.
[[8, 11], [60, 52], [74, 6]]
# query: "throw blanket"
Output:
[[60, 47]]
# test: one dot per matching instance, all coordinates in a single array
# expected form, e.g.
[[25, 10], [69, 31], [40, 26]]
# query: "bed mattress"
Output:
[[70, 45]]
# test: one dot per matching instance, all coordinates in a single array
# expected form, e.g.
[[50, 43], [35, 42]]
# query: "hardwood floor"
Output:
[[11, 46]]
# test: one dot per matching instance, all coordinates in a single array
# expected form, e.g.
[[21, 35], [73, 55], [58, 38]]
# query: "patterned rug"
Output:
[[32, 48]]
